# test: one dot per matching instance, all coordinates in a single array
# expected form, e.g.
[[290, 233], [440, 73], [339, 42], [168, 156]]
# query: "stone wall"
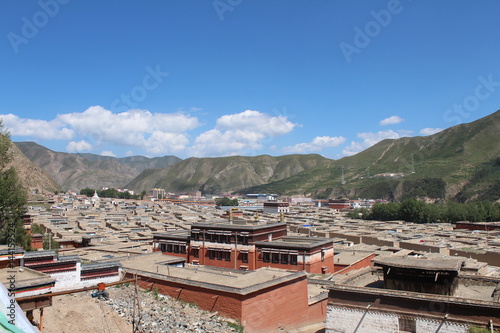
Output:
[[345, 320], [432, 326]]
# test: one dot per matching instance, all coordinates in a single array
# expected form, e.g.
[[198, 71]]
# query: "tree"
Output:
[[89, 192], [384, 212], [12, 196], [226, 202]]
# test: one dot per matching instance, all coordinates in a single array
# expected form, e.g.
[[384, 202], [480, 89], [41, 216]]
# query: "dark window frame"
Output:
[[284, 259], [275, 258]]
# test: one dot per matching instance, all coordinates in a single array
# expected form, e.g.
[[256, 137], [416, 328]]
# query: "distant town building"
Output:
[[157, 193], [276, 207], [339, 204]]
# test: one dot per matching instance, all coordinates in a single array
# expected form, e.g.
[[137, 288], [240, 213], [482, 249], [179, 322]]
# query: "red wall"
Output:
[[365, 262], [264, 311], [272, 308], [209, 300]]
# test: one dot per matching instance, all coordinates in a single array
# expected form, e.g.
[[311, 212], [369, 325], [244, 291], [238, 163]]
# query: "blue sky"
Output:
[[246, 77]]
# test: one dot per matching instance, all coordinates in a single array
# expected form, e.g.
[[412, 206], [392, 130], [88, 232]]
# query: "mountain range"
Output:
[[75, 171], [460, 163]]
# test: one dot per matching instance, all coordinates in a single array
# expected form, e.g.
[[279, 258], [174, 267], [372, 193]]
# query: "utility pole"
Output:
[[412, 164], [342, 181]]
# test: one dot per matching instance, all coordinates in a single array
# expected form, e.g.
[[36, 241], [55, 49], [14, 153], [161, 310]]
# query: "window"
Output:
[[407, 325], [244, 240], [196, 253], [196, 236], [182, 249], [265, 256], [323, 255], [293, 259], [163, 247], [276, 258], [228, 255], [244, 257], [176, 248], [170, 248], [219, 255], [211, 254], [284, 258]]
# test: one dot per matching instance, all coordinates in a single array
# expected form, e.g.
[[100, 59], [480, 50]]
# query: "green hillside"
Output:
[[458, 163], [224, 174]]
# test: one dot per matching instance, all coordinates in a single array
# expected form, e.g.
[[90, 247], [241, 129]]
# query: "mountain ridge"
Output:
[[452, 156], [74, 171], [460, 163], [224, 174]]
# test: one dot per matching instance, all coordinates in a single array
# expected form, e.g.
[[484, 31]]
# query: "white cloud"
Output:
[[162, 142], [139, 128], [391, 121], [317, 144], [257, 122], [430, 131], [370, 138], [237, 133], [75, 147], [38, 129], [107, 153], [157, 133]]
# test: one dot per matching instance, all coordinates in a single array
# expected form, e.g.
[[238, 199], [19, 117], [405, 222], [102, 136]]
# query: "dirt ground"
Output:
[[79, 313]]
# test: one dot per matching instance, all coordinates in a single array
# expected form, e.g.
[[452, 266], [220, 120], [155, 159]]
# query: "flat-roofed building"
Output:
[[264, 300], [247, 245], [433, 276], [421, 295], [310, 254], [276, 207], [221, 243]]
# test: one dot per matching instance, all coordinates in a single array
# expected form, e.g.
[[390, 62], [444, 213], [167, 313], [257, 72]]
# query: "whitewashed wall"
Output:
[[343, 320]]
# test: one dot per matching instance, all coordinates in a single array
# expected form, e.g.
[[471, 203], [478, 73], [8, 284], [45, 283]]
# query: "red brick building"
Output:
[[339, 204], [265, 300], [247, 246]]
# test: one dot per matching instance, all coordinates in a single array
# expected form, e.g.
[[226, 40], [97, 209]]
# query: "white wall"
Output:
[[431, 326], [94, 282], [343, 320], [66, 280]]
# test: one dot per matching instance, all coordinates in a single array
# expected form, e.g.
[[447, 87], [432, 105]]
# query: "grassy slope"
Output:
[[215, 175], [452, 156]]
